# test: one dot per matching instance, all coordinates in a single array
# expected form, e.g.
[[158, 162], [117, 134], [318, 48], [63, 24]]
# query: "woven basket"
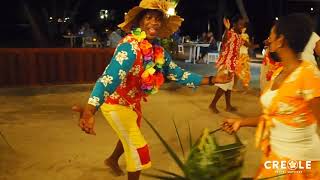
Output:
[[207, 160]]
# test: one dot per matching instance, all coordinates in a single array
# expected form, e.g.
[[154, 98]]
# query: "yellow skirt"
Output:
[[124, 121]]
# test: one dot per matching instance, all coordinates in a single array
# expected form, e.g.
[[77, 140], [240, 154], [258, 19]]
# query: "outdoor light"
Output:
[[50, 18], [171, 11], [277, 18], [103, 14], [125, 13], [60, 20], [311, 9], [94, 39]]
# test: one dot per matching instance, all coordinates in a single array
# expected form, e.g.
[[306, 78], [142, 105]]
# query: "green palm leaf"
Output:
[[170, 173], [166, 145], [177, 132], [190, 136]]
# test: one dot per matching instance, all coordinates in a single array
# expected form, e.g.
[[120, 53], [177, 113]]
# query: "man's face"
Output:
[[151, 23]]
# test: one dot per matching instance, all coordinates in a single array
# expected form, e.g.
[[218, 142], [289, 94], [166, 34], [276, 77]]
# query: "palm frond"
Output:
[[166, 145], [170, 173], [190, 136], [179, 139]]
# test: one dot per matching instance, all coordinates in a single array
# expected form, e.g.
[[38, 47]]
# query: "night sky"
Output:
[[15, 25]]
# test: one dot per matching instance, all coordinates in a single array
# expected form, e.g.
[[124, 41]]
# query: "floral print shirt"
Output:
[[230, 51], [120, 82]]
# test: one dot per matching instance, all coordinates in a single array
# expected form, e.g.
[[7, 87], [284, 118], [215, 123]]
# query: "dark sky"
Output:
[[195, 12]]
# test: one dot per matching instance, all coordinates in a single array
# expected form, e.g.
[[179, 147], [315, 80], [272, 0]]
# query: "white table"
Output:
[[194, 51]]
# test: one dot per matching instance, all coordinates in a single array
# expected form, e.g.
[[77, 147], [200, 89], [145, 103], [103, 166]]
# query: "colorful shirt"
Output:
[[230, 51], [289, 108], [120, 82]]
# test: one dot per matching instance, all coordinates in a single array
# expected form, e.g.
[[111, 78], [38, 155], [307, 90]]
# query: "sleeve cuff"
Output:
[[94, 101]]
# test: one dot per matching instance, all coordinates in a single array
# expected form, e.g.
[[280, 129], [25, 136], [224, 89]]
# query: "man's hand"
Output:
[[86, 120], [231, 125]]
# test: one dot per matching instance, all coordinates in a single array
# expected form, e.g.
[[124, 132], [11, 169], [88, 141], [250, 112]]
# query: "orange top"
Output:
[[290, 104]]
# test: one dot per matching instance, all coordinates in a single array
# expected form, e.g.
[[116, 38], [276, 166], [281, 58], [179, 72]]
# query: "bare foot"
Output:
[[114, 167], [231, 109], [214, 109]]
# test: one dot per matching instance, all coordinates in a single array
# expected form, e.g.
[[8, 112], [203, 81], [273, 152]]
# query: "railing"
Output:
[[46, 66]]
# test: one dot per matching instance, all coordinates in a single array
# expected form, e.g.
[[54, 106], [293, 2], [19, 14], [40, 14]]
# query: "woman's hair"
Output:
[[140, 16], [296, 29]]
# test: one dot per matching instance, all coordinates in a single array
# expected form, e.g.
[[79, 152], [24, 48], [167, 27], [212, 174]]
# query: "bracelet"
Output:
[[210, 80]]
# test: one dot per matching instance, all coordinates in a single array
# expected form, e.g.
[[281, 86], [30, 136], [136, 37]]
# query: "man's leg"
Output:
[[216, 98], [229, 108], [112, 161], [134, 175]]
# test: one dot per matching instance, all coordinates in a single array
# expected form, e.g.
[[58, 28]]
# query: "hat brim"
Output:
[[169, 25]]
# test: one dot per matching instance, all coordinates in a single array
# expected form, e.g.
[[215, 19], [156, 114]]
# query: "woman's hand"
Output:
[[86, 120], [226, 23], [231, 125]]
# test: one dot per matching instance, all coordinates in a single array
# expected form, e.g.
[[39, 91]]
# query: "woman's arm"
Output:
[[250, 122], [314, 105], [232, 125]]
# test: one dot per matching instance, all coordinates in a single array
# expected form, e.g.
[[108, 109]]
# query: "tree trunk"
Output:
[[36, 32]]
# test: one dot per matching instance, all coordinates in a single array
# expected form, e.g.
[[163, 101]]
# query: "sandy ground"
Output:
[[47, 143]]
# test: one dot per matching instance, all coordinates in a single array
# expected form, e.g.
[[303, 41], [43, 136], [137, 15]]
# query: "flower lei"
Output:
[[153, 60]]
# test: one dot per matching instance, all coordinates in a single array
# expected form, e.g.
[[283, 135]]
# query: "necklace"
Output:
[[153, 59]]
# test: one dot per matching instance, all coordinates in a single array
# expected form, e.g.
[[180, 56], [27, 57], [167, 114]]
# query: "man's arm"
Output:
[[121, 62], [175, 73]]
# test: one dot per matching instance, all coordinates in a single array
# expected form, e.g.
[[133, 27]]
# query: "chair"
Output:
[[219, 45], [211, 57], [180, 49]]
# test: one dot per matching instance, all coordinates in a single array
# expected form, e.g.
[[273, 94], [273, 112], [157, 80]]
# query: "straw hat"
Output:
[[169, 25]]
